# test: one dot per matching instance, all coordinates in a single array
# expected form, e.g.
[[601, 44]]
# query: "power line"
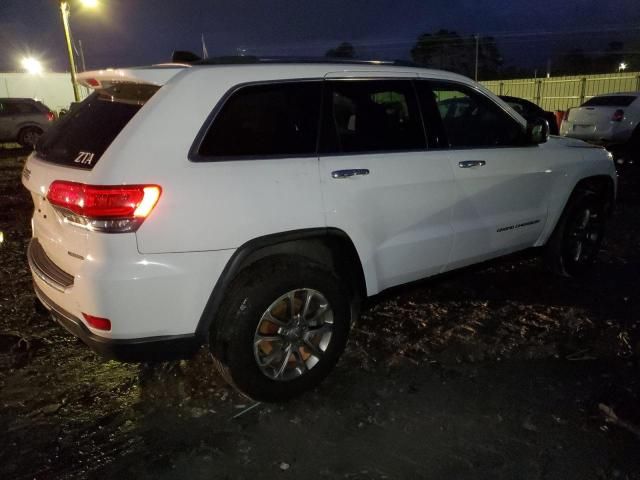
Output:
[[434, 38]]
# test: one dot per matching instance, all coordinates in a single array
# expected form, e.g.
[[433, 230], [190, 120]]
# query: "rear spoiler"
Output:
[[156, 75]]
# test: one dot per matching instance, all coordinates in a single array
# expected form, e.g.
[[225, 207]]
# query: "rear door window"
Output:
[[371, 116], [610, 101], [266, 120], [80, 137], [21, 108]]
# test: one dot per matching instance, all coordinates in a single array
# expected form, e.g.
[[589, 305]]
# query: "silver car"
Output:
[[23, 120]]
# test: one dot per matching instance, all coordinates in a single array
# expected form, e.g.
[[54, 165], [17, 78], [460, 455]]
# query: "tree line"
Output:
[[448, 50]]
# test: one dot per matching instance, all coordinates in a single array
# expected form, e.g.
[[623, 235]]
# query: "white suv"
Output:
[[251, 207]]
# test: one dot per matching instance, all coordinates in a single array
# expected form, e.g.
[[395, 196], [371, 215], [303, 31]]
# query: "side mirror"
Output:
[[537, 131]]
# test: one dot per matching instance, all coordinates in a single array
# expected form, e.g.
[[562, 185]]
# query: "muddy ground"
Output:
[[500, 372]]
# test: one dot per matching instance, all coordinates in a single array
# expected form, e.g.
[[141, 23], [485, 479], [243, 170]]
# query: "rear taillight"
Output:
[[51, 116], [618, 115], [98, 322], [105, 208]]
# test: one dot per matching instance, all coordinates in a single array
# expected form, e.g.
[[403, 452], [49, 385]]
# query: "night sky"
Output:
[[137, 32]]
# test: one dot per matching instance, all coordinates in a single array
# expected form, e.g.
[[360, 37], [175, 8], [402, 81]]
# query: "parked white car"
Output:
[[252, 207], [609, 120]]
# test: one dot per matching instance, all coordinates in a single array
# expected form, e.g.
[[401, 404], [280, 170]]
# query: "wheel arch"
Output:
[[29, 124], [24, 126], [600, 184], [327, 246]]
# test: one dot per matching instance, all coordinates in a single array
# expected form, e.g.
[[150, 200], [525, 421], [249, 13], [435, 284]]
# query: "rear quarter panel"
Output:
[[31, 120], [206, 205]]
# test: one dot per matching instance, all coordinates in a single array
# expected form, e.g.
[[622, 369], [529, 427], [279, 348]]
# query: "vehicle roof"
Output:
[[509, 98], [19, 99], [618, 94], [320, 69], [515, 99], [320, 66], [284, 69], [274, 70], [251, 60]]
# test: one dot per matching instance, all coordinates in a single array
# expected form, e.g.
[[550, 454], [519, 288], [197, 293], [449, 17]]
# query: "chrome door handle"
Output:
[[472, 163], [349, 172]]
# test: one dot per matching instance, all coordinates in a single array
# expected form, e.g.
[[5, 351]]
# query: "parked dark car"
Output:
[[23, 120], [530, 111]]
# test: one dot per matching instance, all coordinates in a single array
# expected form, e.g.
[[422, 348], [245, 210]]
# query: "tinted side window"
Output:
[[371, 116], [472, 120], [93, 125], [270, 119], [531, 108], [517, 107], [18, 108]]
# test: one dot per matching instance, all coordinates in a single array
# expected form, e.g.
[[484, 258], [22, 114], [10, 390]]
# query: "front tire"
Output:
[[576, 241], [283, 324]]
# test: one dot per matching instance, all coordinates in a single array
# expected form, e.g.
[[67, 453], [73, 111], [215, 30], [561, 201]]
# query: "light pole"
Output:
[[622, 67], [65, 10], [477, 55]]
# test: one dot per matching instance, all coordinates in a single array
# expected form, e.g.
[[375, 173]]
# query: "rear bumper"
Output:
[[611, 136], [169, 347], [154, 296]]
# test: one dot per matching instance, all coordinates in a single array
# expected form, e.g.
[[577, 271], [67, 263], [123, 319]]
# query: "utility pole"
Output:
[[64, 9], [477, 54], [84, 66]]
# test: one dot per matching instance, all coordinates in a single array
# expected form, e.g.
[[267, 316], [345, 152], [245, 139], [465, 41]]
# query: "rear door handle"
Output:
[[349, 172], [472, 163]]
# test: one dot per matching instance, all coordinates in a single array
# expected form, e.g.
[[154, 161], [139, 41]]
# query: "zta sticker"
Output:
[[84, 158]]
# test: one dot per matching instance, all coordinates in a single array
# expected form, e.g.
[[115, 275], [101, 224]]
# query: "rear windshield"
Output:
[[80, 137], [610, 101]]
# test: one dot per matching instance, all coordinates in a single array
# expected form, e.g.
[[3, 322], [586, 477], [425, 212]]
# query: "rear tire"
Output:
[[577, 238], [281, 328], [28, 136]]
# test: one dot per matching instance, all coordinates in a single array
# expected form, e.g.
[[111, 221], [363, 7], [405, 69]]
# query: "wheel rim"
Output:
[[583, 236], [31, 137], [293, 334]]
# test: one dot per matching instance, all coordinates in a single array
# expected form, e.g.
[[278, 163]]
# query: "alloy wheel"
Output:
[[293, 334], [583, 237]]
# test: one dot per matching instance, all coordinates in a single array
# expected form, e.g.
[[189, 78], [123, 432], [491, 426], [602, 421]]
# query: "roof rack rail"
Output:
[[193, 59]]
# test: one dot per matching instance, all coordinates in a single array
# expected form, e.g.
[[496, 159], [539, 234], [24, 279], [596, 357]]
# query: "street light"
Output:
[[65, 9], [31, 65], [623, 66]]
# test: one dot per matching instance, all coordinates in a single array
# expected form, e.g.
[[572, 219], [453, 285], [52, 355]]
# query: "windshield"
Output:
[[610, 101]]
